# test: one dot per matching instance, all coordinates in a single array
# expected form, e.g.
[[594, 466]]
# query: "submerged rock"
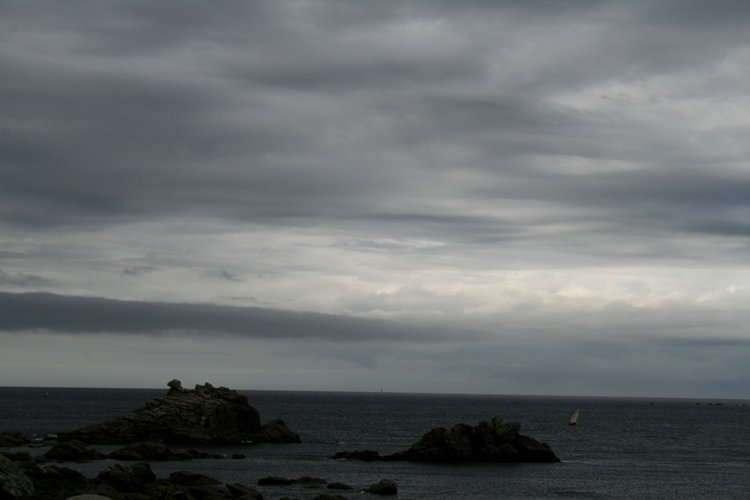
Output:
[[204, 415]]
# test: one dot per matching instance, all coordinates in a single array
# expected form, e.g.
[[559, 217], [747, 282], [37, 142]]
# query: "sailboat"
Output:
[[573, 418]]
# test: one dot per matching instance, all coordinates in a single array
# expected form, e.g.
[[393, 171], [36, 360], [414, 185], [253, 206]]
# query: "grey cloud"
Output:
[[22, 279], [44, 311], [363, 127], [138, 142], [138, 270], [225, 275]]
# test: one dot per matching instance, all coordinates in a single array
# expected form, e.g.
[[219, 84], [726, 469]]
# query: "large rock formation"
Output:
[[204, 415], [493, 441]]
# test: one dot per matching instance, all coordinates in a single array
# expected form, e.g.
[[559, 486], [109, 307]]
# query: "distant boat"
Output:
[[573, 418]]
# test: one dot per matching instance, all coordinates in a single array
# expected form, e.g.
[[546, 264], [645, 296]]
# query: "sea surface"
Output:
[[621, 447]]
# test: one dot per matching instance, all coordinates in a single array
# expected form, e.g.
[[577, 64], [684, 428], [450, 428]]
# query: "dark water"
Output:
[[621, 448]]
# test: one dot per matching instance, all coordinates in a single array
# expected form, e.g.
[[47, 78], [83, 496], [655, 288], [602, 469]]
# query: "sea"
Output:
[[620, 448]]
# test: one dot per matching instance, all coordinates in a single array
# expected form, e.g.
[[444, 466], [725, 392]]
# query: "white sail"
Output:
[[573, 418]]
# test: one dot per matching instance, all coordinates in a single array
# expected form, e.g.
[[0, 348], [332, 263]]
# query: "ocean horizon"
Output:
[[622, 447]]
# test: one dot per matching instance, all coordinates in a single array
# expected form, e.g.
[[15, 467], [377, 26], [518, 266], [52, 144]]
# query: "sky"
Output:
[[513, 197]]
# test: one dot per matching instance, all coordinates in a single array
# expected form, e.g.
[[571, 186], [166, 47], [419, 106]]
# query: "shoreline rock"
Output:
[[22, 478]]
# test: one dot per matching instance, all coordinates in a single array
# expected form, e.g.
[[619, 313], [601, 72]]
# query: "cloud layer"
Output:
[[523, 173]]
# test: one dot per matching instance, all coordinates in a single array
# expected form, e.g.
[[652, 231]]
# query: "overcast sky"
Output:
[[481, 197]]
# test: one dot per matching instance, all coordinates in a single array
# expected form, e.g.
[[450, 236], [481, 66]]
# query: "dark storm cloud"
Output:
[[143, 109], [71, 314]]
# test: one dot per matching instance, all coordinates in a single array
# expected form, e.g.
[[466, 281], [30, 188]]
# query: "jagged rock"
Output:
[[174, 385], [493, 441], [384, 487], [204, 415], [72, 451], [11, 439], [276, 431], [14, 482], [504, 432], [127, 477]]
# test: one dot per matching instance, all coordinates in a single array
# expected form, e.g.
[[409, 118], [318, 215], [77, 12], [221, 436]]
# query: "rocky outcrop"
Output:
[[204, 415], [14, 482], [492, 441]]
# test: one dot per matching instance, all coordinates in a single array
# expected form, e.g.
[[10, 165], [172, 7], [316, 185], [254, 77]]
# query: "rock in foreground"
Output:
[[204, 415], [493, 441]]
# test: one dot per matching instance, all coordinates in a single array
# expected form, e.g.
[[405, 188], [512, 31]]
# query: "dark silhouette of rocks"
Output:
[[23, 478], [493, 441], [204, 415]]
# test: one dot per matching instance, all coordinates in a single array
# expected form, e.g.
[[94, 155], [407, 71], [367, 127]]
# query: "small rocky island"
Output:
[[492, 441], [204, 415]]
